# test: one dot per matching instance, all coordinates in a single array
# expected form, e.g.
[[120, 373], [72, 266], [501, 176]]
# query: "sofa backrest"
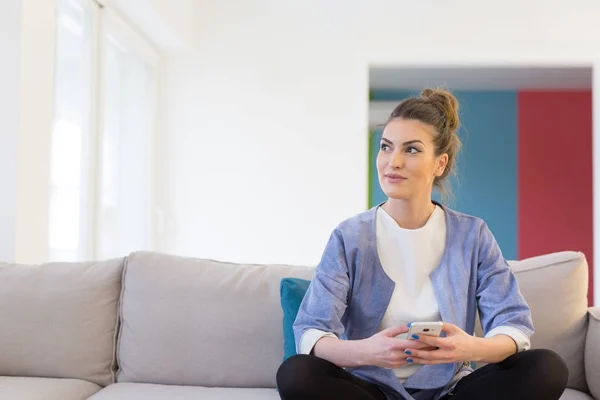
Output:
[[59, 320], [555, 286], [187, 321]]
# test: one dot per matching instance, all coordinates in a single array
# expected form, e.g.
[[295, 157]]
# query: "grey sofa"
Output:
[[154, 326]]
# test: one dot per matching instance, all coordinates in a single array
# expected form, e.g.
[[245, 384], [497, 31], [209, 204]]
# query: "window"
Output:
[[101, 154], [72, 135], [125, 198]]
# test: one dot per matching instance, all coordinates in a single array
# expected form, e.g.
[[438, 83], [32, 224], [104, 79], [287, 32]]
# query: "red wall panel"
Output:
[[555, 205]]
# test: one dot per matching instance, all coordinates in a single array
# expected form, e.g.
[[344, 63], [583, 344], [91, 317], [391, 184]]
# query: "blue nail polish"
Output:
[[409, 324], [415, 337], [409, 360], [407, 352]]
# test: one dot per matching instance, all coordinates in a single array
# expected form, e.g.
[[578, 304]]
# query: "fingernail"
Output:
[[415, 337], [407, 352], [409, 360], [409, 324]]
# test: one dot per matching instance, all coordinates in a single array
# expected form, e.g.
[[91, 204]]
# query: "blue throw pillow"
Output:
[[292, 292]]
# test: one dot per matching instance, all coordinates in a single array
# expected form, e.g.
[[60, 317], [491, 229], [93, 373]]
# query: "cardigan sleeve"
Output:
[[326, 299], [502, 307], [310, 338]]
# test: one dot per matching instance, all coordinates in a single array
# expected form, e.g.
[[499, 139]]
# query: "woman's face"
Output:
[[406, 162]]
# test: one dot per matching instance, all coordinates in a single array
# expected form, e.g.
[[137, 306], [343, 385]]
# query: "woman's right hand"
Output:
[[385, 350]]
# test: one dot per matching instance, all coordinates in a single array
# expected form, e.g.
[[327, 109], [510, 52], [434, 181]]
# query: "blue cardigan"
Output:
[[350, 293]]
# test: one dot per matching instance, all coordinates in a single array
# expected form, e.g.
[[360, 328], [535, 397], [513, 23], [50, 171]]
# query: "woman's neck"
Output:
[[409, 214]]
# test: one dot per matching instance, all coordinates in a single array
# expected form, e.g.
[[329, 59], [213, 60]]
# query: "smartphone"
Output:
[[425, 328]]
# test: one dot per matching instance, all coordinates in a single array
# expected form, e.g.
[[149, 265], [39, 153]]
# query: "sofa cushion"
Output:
[[292, 291], [187, 321], [572, 394], [45, 388], [592, 352], [144, 391], [59, 320], [555, 287]]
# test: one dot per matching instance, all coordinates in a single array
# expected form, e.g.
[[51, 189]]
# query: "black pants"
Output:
[[529, 375]]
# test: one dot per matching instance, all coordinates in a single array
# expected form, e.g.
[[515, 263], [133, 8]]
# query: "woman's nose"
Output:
[[397, 160]]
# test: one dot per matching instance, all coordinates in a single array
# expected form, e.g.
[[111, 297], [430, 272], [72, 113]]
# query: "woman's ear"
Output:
[[441, 163]]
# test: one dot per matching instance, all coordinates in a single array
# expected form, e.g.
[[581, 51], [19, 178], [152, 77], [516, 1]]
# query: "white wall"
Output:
[[10, 39], [26, 111], [36, 110], [264, 140], [264, 148]]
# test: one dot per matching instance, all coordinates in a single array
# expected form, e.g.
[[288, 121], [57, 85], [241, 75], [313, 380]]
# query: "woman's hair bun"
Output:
[[446, 103]]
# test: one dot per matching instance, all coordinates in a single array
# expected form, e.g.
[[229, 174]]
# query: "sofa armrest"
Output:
[[592, 352]]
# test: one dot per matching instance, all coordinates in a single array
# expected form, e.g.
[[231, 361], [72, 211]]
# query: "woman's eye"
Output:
[[412, 150], [384, 147]]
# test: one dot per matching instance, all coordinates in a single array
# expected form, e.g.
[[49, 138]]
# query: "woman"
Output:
[[412, 259]]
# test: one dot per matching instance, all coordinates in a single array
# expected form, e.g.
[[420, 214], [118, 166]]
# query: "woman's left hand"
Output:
[[457, 347]]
